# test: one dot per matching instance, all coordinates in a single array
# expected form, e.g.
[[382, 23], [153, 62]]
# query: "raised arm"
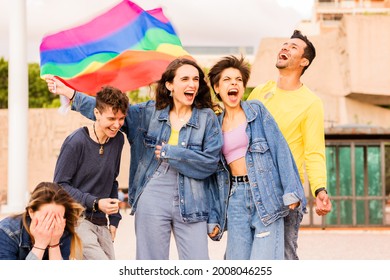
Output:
[[55, 86], [80, 102]]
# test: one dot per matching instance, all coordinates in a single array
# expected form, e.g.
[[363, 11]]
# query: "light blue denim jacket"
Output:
[[195, 157], [273, 175]]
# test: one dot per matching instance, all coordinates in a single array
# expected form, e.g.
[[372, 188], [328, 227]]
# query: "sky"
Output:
[[197, 22]]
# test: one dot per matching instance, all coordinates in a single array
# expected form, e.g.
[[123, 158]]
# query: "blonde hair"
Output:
[[47, 193]]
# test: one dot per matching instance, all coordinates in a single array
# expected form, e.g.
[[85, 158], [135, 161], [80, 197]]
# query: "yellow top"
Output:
[[300, 117], [174, 137]]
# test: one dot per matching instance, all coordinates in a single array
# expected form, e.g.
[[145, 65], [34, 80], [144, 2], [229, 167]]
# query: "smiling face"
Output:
[[109, 122], [291, 55], [230, 87], [184, 86]]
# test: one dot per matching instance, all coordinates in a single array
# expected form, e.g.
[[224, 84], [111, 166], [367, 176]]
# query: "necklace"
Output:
[[101, 150]]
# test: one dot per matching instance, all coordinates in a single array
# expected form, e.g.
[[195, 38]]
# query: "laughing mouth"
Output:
[[283, 56], [113, 130], [233, 91], [189, 94]]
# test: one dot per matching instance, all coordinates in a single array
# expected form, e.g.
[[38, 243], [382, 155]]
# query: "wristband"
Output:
[[39, 248], [74, 93], [95, 206], [53, 246], [320, 190]]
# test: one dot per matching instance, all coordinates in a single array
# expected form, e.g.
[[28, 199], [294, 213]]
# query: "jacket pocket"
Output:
[[261, 156]]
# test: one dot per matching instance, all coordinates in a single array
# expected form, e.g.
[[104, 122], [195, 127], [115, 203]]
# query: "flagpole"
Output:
[[17, 109]]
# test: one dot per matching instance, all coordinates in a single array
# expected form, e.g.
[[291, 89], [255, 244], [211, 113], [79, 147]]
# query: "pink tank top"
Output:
[[235, 143]]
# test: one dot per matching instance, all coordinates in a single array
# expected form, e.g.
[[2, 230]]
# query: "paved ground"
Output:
[[314, 244], [329, 244]]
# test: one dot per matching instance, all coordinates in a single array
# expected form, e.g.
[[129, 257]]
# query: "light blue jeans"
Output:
[[291, 228], [247, 237], [158, 215]]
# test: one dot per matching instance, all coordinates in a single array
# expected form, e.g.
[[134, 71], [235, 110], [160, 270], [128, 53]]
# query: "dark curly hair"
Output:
[[110, 96]]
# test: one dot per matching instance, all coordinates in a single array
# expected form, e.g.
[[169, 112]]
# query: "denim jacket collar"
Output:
[[249, 111]]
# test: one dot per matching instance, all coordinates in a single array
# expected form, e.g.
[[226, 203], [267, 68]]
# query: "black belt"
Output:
[[239, 178], [99, 221]]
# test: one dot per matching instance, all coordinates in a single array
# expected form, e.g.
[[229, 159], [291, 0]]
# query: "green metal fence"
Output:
[[357, 185]]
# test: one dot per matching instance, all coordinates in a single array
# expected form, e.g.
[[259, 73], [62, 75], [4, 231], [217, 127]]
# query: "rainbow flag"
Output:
[[126, 47]]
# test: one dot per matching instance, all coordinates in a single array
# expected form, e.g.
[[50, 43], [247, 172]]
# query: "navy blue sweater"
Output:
[[85, 174]]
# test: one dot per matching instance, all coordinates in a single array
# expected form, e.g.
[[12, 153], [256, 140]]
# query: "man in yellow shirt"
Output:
[[300, 116]]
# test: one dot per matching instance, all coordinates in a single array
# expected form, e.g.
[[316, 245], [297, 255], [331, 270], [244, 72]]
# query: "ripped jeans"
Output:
[[247, 237]]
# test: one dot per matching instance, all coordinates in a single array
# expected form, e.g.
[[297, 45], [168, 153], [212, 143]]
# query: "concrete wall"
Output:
[[368, 44], [349, 72], [47, 131]]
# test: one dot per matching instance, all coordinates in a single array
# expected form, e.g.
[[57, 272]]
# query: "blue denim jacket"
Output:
[[15, 242], [272, 172], [195, 158]]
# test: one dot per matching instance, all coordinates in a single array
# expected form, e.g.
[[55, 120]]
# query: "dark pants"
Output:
[[291, 227]]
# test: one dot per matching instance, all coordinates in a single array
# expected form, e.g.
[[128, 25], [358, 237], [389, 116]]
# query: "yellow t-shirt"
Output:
[[174, 137], [300, 117]]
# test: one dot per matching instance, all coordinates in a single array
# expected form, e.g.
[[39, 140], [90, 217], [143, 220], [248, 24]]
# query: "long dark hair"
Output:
[[163, 98]]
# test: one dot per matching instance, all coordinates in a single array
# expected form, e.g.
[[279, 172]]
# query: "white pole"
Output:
[[17, 109]]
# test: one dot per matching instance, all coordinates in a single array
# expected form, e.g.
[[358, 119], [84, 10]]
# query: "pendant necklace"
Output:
[[101, 150]]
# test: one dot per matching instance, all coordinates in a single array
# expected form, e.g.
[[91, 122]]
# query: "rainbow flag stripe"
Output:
[[126, 47]]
